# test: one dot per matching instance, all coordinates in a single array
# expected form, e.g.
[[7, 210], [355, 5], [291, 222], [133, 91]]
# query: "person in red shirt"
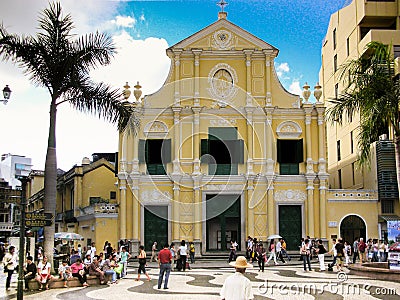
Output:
[[78, 271], [164, 262]]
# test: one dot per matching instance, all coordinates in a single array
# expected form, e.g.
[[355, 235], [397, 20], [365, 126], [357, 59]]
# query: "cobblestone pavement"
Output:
[[205, 279]]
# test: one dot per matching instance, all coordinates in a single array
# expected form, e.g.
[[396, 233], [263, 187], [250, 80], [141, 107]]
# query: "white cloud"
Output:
[[282, 69], [122, 21], [295, 88], [25, 119]]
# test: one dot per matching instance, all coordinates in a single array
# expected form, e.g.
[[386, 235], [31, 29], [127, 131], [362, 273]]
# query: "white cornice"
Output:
[[225, 24]]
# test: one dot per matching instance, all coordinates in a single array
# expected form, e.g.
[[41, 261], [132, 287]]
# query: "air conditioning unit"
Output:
[[383, 137]]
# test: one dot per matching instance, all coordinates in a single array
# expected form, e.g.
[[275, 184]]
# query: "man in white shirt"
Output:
[[237, 286]]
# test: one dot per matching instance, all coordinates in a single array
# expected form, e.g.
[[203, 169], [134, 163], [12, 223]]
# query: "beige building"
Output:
[[350, 30], [223, 150]]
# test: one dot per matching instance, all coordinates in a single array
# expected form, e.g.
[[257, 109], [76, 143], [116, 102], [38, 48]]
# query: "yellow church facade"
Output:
[[223, 150]]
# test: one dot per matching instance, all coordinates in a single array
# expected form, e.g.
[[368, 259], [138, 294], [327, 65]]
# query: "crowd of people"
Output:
[[108, 263]]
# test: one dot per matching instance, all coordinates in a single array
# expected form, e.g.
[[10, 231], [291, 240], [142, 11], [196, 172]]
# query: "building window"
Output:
[[156, 153], [290, 154], [334, 39], [353, 173], [387, 206], [71, 199], [335, 63], [348, 46], [396, 51], [113, 195], [351, 142], [340, 178], [222, 151], [338, 150]]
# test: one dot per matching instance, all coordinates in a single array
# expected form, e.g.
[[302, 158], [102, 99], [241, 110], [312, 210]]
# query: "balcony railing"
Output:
[[99, 208], [6, 226]]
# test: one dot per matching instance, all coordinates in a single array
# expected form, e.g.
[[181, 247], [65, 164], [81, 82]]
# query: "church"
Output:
[[223, 152]]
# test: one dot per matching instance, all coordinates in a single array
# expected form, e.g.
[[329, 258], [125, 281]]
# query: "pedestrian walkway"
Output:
[[205, 280]]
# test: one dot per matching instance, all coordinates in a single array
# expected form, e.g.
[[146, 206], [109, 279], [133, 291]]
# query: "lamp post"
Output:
[[6, 94], [20, 293]]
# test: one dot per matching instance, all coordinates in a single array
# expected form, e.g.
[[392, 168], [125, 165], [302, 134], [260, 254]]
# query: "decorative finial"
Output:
[[317, 92], [137, 92], [306, 92], [126, 92], [222, 4]]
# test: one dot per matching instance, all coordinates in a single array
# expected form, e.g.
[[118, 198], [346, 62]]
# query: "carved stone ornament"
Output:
[[222, 79], [290, 195], [222, 40], [155, 196], [222, 122], [223, 187], [288, 130], [156, 127]]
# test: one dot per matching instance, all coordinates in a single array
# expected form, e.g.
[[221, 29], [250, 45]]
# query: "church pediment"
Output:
[[223, 35]]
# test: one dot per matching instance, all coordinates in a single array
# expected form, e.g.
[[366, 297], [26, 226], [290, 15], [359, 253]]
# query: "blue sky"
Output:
[[142, 30]]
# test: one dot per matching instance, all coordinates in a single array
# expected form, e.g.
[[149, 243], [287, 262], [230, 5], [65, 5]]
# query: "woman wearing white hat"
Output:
[[237, 286]]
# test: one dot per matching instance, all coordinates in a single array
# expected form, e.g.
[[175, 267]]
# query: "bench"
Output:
[[72, 282]]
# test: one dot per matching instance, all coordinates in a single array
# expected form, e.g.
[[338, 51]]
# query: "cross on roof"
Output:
[[222, 4]]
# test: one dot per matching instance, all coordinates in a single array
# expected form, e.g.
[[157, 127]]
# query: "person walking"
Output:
[[261, 253], [153, 252], [164, 262], [361, 250], [191, 252], [305, 253], [237, 286], [339, 246], [142, 263], [283, 250], [9, 263], [124, 256], [279, 251], [232, 253], [173, 253], [272, 252], [334, 253], [355, 250], [183, 254], [321, 255]]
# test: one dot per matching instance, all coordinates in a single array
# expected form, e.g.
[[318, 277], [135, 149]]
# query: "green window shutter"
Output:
[[142, 151], [299, 151], [166, 151], [278, 151], [222, 133], [204, 150], [236, 151]]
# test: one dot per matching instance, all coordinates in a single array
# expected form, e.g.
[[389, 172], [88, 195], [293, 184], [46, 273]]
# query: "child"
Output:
[[65, 272]]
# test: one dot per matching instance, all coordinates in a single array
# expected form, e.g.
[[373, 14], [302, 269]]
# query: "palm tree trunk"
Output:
[[396, 141], [50, 184]]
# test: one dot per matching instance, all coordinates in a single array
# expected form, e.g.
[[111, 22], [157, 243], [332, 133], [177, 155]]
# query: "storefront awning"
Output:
[[385, 218]]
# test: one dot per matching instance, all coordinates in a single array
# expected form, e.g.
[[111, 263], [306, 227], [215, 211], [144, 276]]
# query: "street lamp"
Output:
[[6, 94]]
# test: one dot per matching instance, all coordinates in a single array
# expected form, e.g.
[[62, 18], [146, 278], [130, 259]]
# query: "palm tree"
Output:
[[56, 60], [373, 92]]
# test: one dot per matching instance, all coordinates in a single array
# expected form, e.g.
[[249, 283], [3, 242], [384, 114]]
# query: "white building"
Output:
[[14, 165]]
